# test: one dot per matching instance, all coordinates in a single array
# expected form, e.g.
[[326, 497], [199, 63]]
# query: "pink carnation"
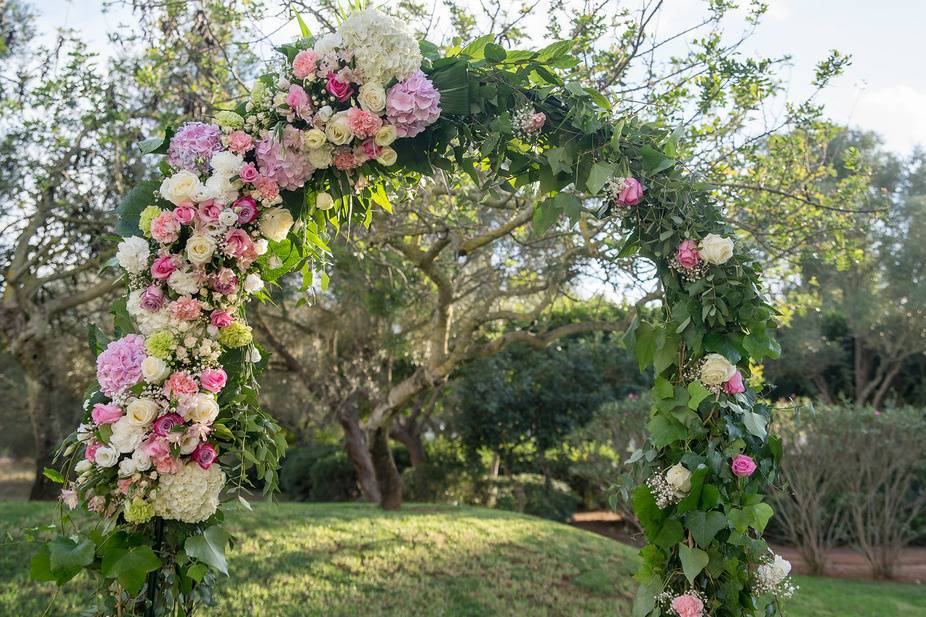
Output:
[[185, 308], [220, 319], [742, 466], [239, 142], [267, 187], [344, 159], [688, 605], [362, 124], [304, 63], [152, 299], [286, 165], [631, 194], [106, 414], [119, 366], [734, 385], [213, 379], [165, 424], [180, 383], [163, 267], [193, 145], [204, 455], [165, 228], [185, 213], [248, 173], [413, 104], [687, 255]]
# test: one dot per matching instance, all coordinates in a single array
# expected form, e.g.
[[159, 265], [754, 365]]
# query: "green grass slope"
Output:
[[425, 561]]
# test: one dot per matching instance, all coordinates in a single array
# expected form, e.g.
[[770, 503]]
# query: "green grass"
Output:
[[426, 561]]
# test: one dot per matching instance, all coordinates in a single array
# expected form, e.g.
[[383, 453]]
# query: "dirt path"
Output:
[[843, 562]]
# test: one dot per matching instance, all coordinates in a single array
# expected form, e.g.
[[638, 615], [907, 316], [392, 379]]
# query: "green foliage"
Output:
[[209, 547], [318, 472], [531, 494]]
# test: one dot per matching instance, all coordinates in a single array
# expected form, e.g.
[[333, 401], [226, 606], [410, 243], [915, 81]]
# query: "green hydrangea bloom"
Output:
[[144, 220], [259, 94], [236, 334], [228, 120], [138, 511], [160, 345]]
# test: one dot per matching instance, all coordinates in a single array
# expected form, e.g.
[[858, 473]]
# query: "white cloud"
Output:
[[898, 112]]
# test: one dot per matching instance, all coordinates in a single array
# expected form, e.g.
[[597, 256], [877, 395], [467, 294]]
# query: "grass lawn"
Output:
[[426, 561]]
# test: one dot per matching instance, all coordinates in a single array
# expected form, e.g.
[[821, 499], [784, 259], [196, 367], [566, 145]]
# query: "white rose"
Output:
[[183, 282], [716, 370], [319, 158], [253, 283], [679, 479], [716, 250], [154, 370], [261, 246], [200, 247], [226, 163], [142, 460], [188, 443], [385, 135], [200, 408], [126, 435], [181, 187], [324, 114], [127, 468], [387, 156], [337, 130], [133, 253], [275, 223], [141, 411], [372, 98], [83, 466], [327, 44], [228, 217], [313, 139], [105, 456], [324, 201]]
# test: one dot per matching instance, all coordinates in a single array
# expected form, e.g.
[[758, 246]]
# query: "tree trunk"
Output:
[[412, 440], [355, 442], [387, 475], [43, 412]]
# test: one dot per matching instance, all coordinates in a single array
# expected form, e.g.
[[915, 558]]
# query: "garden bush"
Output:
[[529, 494], [318, 472]]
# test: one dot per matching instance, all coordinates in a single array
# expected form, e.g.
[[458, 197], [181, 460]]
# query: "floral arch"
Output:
[[175, 423]]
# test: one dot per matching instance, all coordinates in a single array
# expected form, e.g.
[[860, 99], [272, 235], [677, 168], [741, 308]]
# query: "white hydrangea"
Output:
[[383, 47], [226, 163], [327, 44], [221, 188], [191, 495], [132, 254]]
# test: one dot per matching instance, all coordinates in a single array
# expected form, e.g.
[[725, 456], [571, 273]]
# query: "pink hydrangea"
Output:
[[119, 366], [239, 142], [193, 145], [165, 228], [361, 123], [185, 308], [106, 414], [688, 605], [304, 63], [180, 383], [286, 166], [687, 255], [413, 104], [734, 385]]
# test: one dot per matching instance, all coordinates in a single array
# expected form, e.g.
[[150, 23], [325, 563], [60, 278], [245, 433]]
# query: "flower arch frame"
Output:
[[256, 193]]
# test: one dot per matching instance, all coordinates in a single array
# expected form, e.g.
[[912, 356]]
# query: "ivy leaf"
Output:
[[131, 206], [545, 215], [671, 533], [655, 161], [664, 431], [560, 160], [761, 512], [569, 204], [598, 176], [755, 424], [693, 561], [130, 566], [209, 547], [65, 554], [697, 392], [705, 525]]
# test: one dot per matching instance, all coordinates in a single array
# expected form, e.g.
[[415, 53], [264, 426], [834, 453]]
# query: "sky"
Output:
[[884, 89]]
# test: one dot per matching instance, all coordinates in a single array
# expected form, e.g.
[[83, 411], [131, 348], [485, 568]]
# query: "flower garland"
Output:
[[174, 427]]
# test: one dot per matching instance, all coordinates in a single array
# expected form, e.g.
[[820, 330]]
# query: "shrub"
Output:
[[529, 494], [318, 472], [446, 476]]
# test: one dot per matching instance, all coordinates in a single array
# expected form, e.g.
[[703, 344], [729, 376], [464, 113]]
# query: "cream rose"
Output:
[[126, 435], [181, 187], [105, 456], [385, 135], [716, 370], [275, 223], [141, 411], [387, 156], [313, 139], [199, 249], [154, 370], [337, 130], [200, 408], [372, 98], [253, 283], [324, 201], [319, 158], [715, 249], [679, 479]]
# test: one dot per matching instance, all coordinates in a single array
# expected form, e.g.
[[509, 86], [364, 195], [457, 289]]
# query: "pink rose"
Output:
[[239, 142], [338, 89], [156, 447], [166, 423], [362, 124], [124, 485], [536, 122], [152, 299], [213, 379], [209, 211], [90, 452], [166, 464], [304, 63], [106, 414], [298, 101], [163, 267], [165, 228], [224, 281], [220, 319], [204, 455], [742, 466], [180, 383], [185, 308], [688, 605], [687, 255], [248, 173], [267, 187], [238, 243], [246, 209], [734, 385], [631, 193], [185, 213], [370, 149]]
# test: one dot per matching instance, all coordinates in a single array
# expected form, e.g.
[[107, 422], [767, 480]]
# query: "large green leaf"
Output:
[[209, 547], [130, 566], [664, 431], [67, 557], [452, 80], [705, 525], [693, 561], [131, 206], [599, 174]]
